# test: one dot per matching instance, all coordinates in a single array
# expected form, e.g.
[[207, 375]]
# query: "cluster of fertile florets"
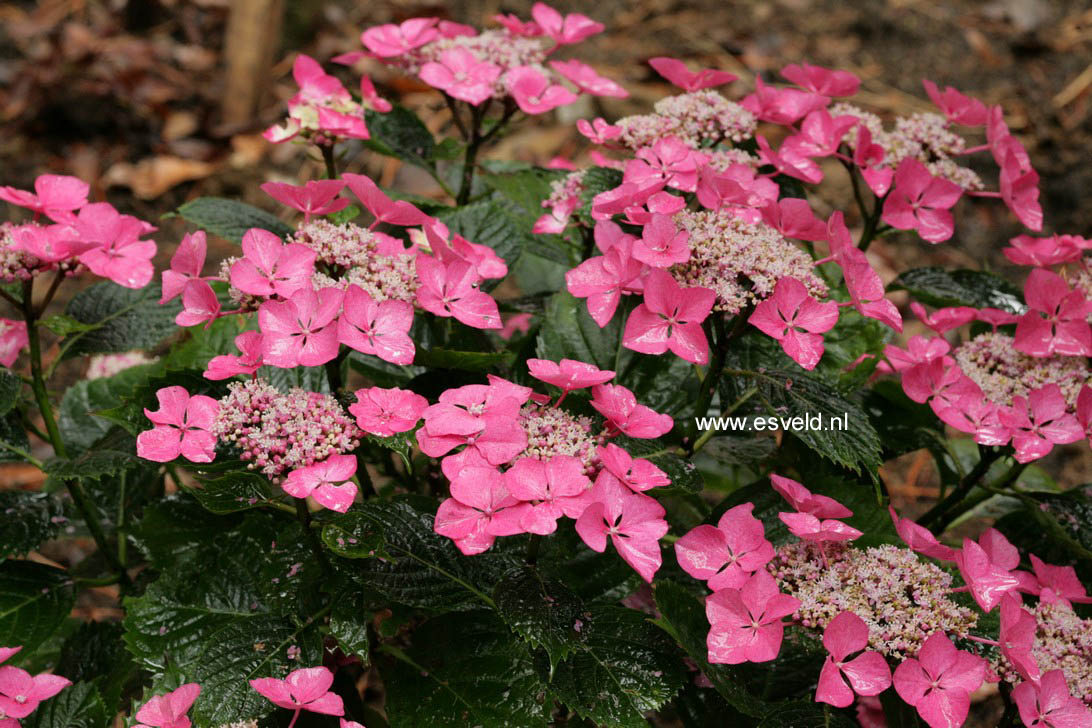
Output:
[[348, 254], [701, 119], [903, 599], [741, 261], [508, 64], [525, 463], [277, 432], [1003, 372], [887, 604]]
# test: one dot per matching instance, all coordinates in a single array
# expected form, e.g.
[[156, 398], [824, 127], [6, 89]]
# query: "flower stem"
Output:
[[941, 513], [79, 496], [295, 717], [330, 160]]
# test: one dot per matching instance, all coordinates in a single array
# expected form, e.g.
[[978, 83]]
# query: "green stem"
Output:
[[470, 158], [333, 370], [23, 454], [367, 487], [328, 158], [868, 234], [937, 514], [41, 396]]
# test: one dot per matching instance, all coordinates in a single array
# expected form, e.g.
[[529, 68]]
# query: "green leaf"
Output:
[[77, 706], [347, 214], [353, 535], [787, 394], [526, 188], [63, 325], [80, 426], [349, 624], [95, 653], [28, 520], [123, 318], [176, 528], [313, 379], [493, 223], [230, 219], [422, 568], [468, 361], [800, 714], [34, 600], [1057, 526], [543, 611], [978, 289], [729, 449], [596, 180], [234, 491], [624, 669], [399, 133], [229, 614], [463, 670], [10, 386], [14, 435], [91, 465], [683, 617]]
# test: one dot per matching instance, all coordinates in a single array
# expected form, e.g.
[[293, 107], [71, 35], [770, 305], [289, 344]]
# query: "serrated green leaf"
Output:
[[313, 379], [174, 529], [234, 491], [80, 426], [625, 668], [682, 616], [10, 386], [344, 215], [730, 449], [34, 600], [975, 288], [91, 465], [96, 654], [230, 219], [423, 569], [787, 394], [353, 535], [122, 318], [13, 435], [77, 706], [543, 611], [464, 670], [349, 624], [27, 520], [468, 361], [527, 188], [399, 133]]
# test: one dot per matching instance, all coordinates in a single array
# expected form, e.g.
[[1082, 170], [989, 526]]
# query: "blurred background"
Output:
[[155, 102]]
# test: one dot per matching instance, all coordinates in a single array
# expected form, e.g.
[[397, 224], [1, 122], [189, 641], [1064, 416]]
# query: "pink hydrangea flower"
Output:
[[186, 264], [841, 679], [725, 555], [393, 212], [944, 320], [603, 278], [807, 527], [633, 521], [1020, 193], [986, 579], [121, 255], [805, 501], [661, 244], [269, 267], [323, 106], [1040, 422], [552, 488], [316, 197], [567, 29], [920, 201], [921, 539], [169, 710], [484, 260], [793, 218], [958, 107], [939, 681], [480, 509], [461, 75], [568, 374], [790, 159], [50, 243], [796, 320], [301, 331], [1018, 636], [1058, 584], [377, 328], [821, 134], [1051, 250], [305, 689], [388, 41], [1057, 318], [55, 195], [598, 131], [451, 290], [585, 78], [249, 344], [1049, 704], [385, 412], [670, 318], [637, 474], [823, 81], [669, 161], [21, 692], [13, 339], [745, 623], [486, 417], [534, 93], [325, 482], [677, 73], [919, 350], [199, 304], [182, 427], [784, 106], [619, 406]]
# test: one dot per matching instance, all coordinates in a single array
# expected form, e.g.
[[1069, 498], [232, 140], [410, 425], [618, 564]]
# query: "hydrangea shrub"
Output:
[[524, 454]]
